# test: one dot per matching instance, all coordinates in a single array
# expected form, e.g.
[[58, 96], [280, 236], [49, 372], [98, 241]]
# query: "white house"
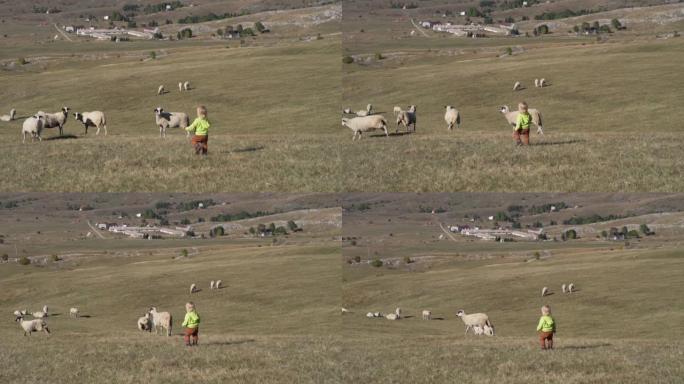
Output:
[[106, 17]]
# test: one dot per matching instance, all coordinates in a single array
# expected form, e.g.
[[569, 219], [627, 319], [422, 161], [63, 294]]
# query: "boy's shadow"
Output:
[[238, 342], [544, 143], [253, 148], [591, 346]]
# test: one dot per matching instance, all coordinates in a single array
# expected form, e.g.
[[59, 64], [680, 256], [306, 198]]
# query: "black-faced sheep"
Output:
[[92, 119], [56, 120], [452, 117], [9, 117], [166, 120]]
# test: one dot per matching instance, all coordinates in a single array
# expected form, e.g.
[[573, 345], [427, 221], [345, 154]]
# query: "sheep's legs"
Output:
[[540, 130]]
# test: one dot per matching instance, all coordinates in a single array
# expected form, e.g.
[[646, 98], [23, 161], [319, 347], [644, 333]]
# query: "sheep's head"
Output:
[[66, 110], [448, 107], [78, 116], [347, 111], [460, 313], [158, 110], [412, 108], [345, 121], [504, 109], [369, 107]]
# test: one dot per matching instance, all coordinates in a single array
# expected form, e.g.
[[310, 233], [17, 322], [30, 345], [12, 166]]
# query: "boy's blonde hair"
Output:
[[189, 306], [546, 310], [522, 106], [202, 111]]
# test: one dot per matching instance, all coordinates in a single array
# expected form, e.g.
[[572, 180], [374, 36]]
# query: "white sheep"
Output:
[[30, 326], [394, 316], [347, 111], [367, 112], [359, 125], [211, 285], [145, 323], [473, 319], [161, 321], [73, 312], [370, 315], [10, 117], [517, 86], [218, 284], [488, 330], [193, 288], [344, 310], [512, 117], [427, 315], [545, 291], [39, 315], [45, 308], [33, 126], [536, 83], [542, 83], [571, 287], [56, 120], [452, 117], [166, 120], [407, 118], [396, 110], [92, 119], [563, 288], [180, 87], [160, 90], [478, 330], [186, 86]]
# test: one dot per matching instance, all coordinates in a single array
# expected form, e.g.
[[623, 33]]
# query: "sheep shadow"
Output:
[[237, 342], [548, 294], [563, 142], [197, 290], [408, 317], [63, 137], [438, 318], [85, 316], [391, 134], [253, 148], [581, 347]]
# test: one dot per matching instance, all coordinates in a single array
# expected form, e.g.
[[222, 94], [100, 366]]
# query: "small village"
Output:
[[499, 234]]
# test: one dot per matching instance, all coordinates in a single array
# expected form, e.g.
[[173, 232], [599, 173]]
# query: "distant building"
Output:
[[69, 28]]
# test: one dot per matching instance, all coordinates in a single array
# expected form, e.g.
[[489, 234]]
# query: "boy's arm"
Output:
[[541, 322], [192, 127], [518, 121], [185, 321]]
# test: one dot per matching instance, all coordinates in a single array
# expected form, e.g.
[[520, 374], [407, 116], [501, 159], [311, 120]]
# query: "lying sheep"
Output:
[[145, 323], [359, 125], [545, 291], [479, 319], [427, 315], [39, 315], [30, 326], [33, 126], [478, 330], [186, 86], [512, 117], [160, 90], [56, 120], [161, 321], [375, 314], [10, 117], [367, 112], [407, 118], [394, 316], [344, 310], [193, 288], [218, 284], [347, 111], [73, 312], [452, 117], [517, 86], [166, 120], [92, 119], [488, 330]]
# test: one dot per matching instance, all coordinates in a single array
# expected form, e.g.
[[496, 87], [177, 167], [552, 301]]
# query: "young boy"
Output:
[[546, 328], [521, 132], [191, 324], [200, 127]]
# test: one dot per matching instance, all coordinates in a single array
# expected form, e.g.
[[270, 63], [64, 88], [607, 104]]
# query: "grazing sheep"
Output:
[[452, 117], [160, 90], [536, 83], [344, 310], [73, 312], [92, 119], [145, 323], [517, 86], [161, 321], [56, 120], [473, 319], [166, 120], [512, 117], [218, 284], [45, 308], [407, 118], [186, 86], [392, 316], [359, 125], [427, 315], [180, 87], [370, 314], [39, 315], [488, 330], [30, 326], [211, 285], [367, 112], [571, 287], [563, 288], [545, 291], [10, 117], [193, 288], [33, 126], [542, 83]]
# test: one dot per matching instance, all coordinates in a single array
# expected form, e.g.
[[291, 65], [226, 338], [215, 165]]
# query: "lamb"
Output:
[[545, 291], [193, 288], [452, 117], [218, 284], [571, 287], [344, 310], [542, 83], [427, 315], [92, 119], [186, 86], [479, 319], [359, 125], [45, 308], [211, 285], [73, 312], [180, 87], [30, 326], [53, 120], [536, 83], [563, 288], [517, 86], [512, 117], [161, 321], [160, 90], [367, 112], [407, 118], [33, 126], [488, 330], [166, 120], [144, 323], [478, 330], [397, 110], [10, 117]]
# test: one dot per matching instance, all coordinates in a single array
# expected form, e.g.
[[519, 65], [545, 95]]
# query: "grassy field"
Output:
[[619, 326], [274, 322], [259, 96]]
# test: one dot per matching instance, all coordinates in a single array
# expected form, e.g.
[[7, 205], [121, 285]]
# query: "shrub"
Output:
[[24, 260], [379, 56], [185, 221], [259, 26], [353, 243], [5, 257], [22, 61], [347, 59], [357, 259], [184, 252], [509, 51], [645, 230], [407, 260], [537, 255], [217, 231], [55, 258], [570, 234], [377, 263]]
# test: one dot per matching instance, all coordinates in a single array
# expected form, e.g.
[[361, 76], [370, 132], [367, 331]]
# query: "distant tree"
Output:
[[247, 32], [271, 227], [184, 252], [252, 230], [153, 55], [185, 221], [634, 234], [570, 234], [509, 51], [645, 229], [377, 263], [4, 257], [543, 29], [259, 26], [239, 28], [616, 24], [219, 32], [604, 233], [576, 29], [24, 260], [347, 59], [216, 231], [586, 26], [357, 259], [292, 226]]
